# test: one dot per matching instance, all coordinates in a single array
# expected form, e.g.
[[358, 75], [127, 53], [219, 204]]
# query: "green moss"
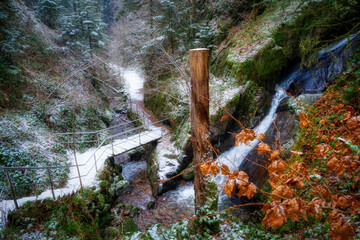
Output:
[[134, 116], [152, 169], [128, 226], [189, 175]]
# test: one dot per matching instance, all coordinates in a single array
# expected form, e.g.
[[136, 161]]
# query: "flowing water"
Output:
[[165, 209], [331, 61], [176, 204]]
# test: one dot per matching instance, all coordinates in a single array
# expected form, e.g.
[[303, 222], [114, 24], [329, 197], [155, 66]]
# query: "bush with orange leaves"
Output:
[[300, 187]]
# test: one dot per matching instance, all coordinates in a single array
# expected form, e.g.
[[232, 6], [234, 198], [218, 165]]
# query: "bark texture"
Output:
[[199, 72]]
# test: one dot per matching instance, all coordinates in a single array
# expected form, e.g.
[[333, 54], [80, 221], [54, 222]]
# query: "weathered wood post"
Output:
[[199, 73], [11, 188], [51, 183]]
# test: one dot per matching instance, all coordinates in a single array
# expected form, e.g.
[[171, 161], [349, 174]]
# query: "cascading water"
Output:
[[332, 60], [309, 80]]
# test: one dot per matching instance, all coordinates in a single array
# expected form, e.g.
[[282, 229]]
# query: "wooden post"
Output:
[[95, 161], [199, 73], [51, 183], [11, 188]]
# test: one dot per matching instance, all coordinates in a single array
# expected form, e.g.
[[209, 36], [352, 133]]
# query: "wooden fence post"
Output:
[[11, 188], [199, 73], [51, 183]]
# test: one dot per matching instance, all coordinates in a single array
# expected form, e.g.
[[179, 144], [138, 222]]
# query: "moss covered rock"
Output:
[[128, 226]]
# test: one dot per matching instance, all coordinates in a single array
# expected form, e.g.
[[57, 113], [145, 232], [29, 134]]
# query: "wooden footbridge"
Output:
[[84, 166]]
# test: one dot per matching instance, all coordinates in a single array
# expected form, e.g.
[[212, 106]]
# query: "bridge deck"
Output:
[[89, 163]]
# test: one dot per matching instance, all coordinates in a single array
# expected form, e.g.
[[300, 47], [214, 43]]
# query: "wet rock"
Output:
[[121, 158], [287, 121], [295, 89], [308, 99], [119, 110], [137, 154]]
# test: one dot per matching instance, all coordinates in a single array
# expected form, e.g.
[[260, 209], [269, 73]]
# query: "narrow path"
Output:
[[172, 206], [89, 162]]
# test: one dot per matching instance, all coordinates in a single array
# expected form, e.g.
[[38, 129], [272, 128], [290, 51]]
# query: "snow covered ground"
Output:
[[166, 153], [134, 81], [86, 160], [87, 168]]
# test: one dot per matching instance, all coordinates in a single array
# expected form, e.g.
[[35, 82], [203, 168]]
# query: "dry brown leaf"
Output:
[[261, 137], [336, 165], [223, 118], [274, 180], [274, 155], [353, 123], [303, 120], [245, 136], [340, 228], [322, 191], [275, 215], [229, 187], [301, 168], [338, 107], [225, 169], [282, 192], [296, 153], [315, 208], [214, 169], [321, 150], [295, 182], [293, 209], [251, 190], [263, 149], [276, 167], [205, 168]]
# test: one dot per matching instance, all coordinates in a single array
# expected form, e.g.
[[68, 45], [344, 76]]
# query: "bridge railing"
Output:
[[141, 113], [97, 134], [102, 148]]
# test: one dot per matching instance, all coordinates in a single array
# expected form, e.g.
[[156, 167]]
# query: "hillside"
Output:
[[47, 88]]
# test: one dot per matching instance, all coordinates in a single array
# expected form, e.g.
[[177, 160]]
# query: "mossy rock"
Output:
[[105, 174], [118, 187], [137, 153], [128, 226], [134, 211], [189, 175], [152, 170], [104, 186], [150, 204], [111, 233]]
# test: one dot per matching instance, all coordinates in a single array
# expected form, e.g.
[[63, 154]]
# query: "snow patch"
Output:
[[134, 81]]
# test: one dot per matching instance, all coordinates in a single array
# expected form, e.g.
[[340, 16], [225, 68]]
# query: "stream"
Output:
[[177, 204], [169, 207]]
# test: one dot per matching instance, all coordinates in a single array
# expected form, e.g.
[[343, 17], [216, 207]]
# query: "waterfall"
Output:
[[332, 60]]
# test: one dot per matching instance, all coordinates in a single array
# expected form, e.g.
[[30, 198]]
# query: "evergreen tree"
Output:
[[48, 11]]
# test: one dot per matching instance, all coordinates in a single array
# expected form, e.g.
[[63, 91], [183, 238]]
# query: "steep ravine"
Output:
[[166, 208], [169, 207]]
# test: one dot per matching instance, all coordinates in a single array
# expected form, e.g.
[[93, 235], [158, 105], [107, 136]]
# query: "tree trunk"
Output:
[[199, 72], [192, 19]]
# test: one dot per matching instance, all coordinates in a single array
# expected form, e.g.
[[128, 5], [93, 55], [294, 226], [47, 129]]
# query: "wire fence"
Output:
[[103, 147]]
